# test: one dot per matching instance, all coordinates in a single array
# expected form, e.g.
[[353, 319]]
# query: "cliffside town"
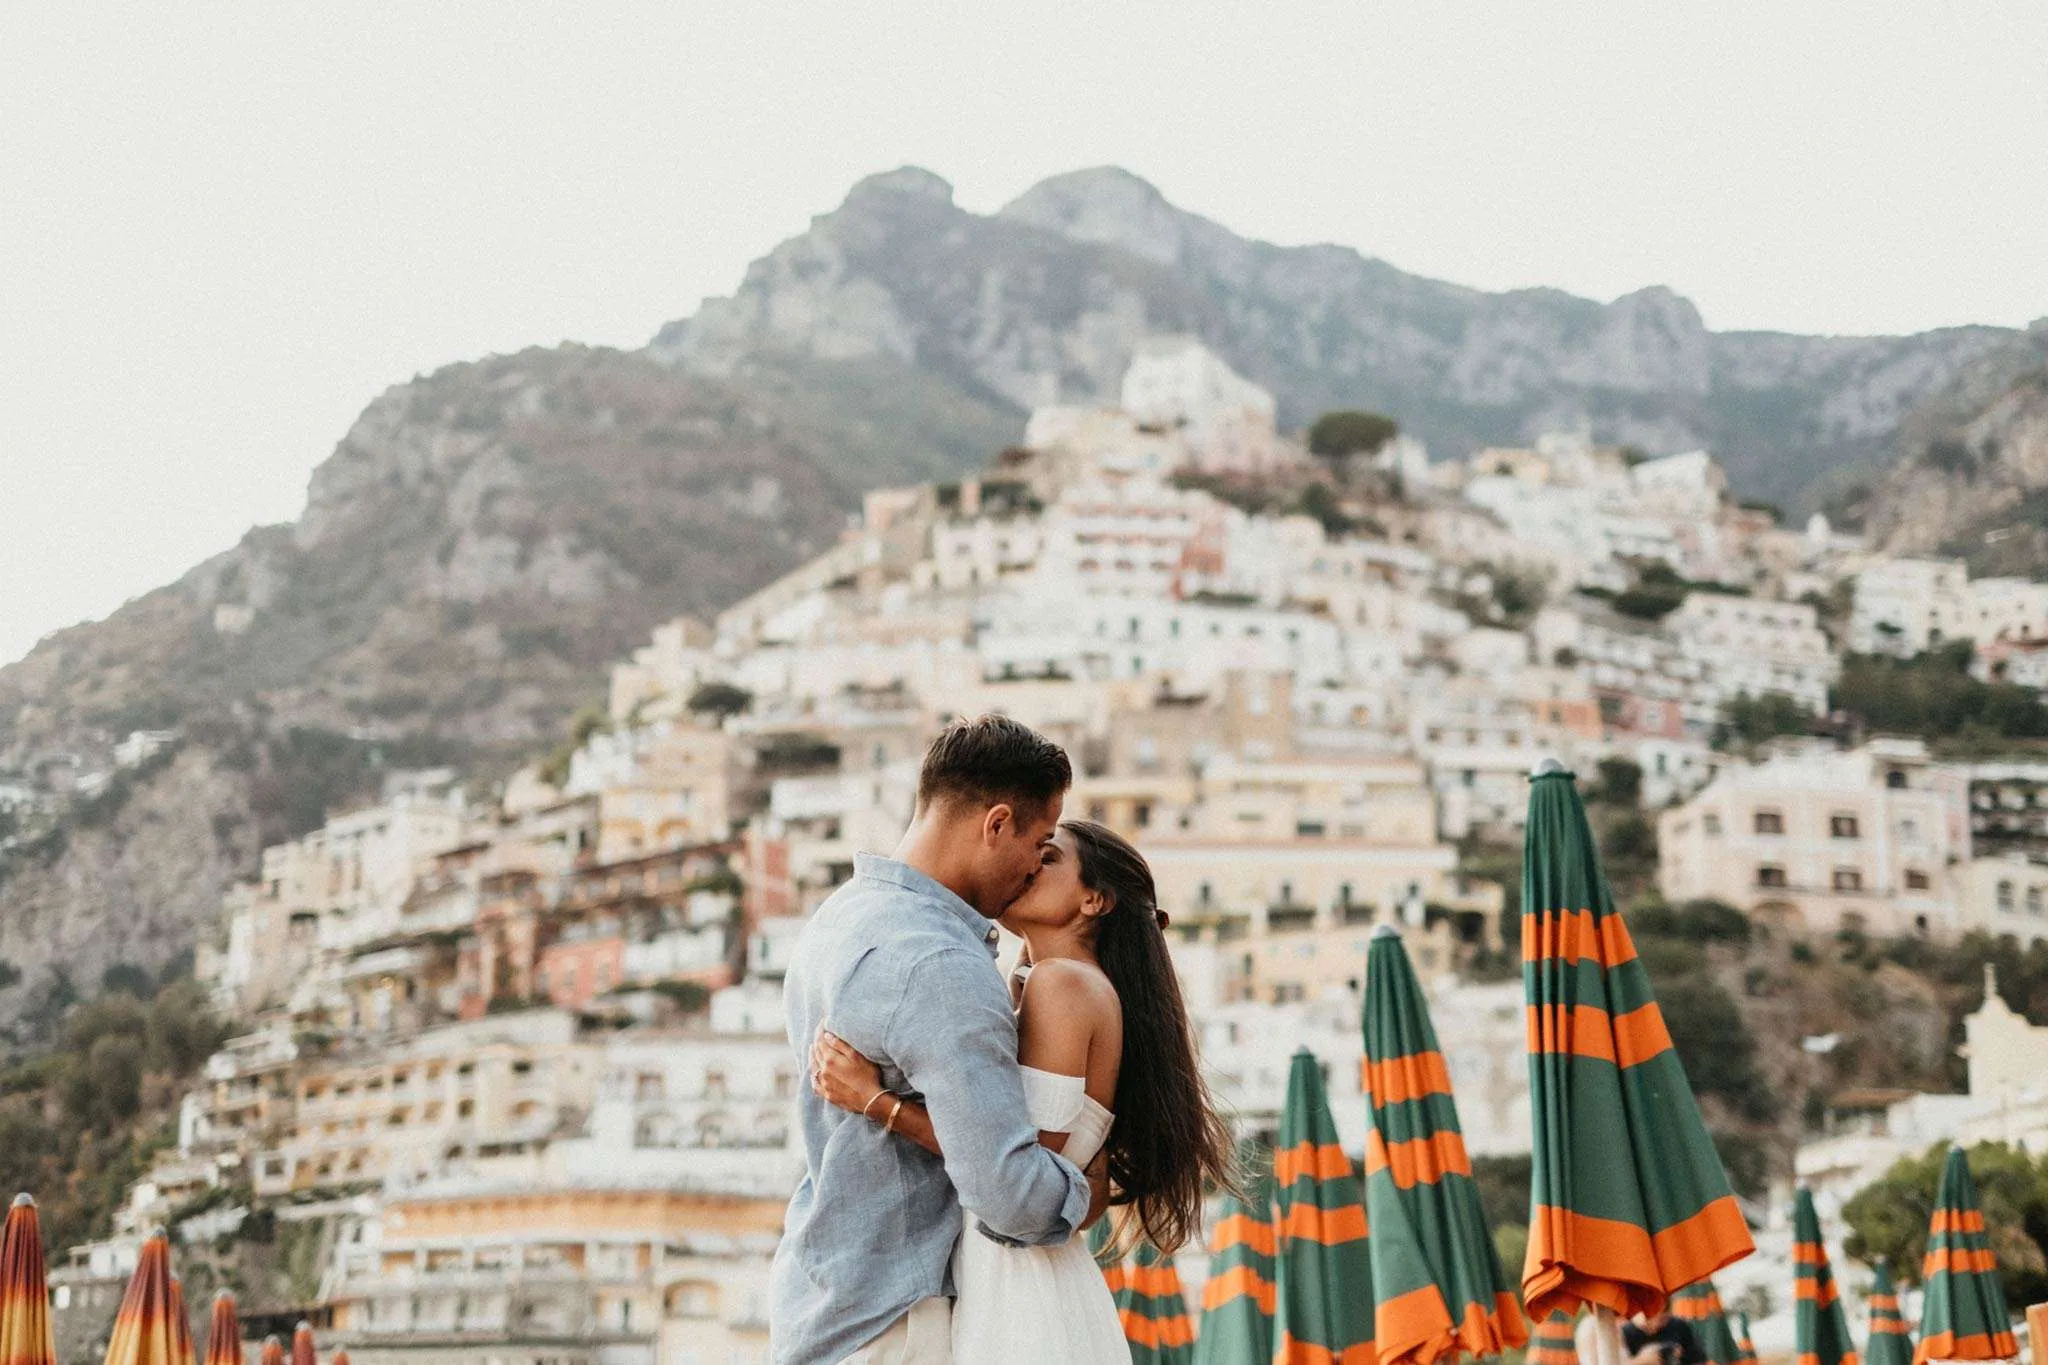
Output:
[[518, 1057]]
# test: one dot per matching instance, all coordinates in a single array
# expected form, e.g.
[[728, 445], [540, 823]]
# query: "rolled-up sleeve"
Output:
[[954, 1037]]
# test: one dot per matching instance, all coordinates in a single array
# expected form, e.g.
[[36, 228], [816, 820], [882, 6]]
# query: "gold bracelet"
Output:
[[871, 1103], [890, 1126]]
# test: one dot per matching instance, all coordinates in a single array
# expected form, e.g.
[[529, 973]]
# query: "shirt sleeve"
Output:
[[955, 1039]]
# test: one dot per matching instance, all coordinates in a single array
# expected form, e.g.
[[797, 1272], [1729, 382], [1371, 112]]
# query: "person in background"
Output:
[[1660, 1339]]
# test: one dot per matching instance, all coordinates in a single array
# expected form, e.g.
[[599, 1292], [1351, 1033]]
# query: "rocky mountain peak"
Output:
[[1105, 204], [914, 181]]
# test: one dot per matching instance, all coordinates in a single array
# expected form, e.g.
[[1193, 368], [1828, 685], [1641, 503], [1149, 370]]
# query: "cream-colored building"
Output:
[[1814, 840], [400, 1110], [658, 786], [2006, 897]]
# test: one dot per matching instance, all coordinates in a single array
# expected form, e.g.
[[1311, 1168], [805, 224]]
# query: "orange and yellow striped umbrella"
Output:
[[338, 1358], [1322, 1266], [302, 1344], [181, 1319], [25, 1337], [1553, 1343], [146, 1326], [273, 1351], [1630, 1200], [224, 1332]]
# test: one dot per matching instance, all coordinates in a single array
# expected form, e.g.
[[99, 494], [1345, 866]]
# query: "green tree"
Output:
[[1748, 721], [1933, 694], [1349, 431], [1319, 500], [1621, 782], [720, 699], [1889, 1218]]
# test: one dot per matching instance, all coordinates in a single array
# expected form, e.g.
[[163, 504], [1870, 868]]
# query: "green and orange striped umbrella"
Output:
[[1149, 1302], [1962, 1311], [1630, 1200], [1745, 1349], [224, 1332], [1819, 1327], [146, 1325], [25, 1336], [273, 1351], [1553, 1342], [1891, 1341], [1322, 1267], [1700, 1305], [1237, 1300], [1441, 1289]]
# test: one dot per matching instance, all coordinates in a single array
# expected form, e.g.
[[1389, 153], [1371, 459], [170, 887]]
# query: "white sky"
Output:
[[224, 228]]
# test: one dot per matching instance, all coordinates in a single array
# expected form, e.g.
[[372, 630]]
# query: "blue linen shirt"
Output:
[[902, 969]]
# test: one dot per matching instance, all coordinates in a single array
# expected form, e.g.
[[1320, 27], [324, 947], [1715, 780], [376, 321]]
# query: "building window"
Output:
[[2034, 901], [1896, 779], [1141, 814], [1770, 875], [1916, 880], [1710, 825], [1769, 822], [1205, 893], [1848, 879], [1842, 827], [2005, 897]]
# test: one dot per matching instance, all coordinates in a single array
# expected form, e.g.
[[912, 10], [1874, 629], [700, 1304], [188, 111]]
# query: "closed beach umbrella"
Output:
[[1820, 1329], [1700, 1305], [1437, 1276], [224, 1332], [25, 1337], [273, 1351], [1552, 1343], [145, 1327], [1630, 1201], [302, 1344], [1322, 1269], [1962, 1313], [1891, 1343], [1146, 1287], [1237, 1300], [1744, 1348]]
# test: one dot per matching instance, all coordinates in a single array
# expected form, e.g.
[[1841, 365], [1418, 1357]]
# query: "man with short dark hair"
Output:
[[1661, 1339], [899, 961]]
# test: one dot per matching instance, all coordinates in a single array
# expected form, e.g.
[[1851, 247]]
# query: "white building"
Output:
[[1905, 606]]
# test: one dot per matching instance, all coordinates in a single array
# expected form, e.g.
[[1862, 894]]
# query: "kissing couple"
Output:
[[960, 1133]]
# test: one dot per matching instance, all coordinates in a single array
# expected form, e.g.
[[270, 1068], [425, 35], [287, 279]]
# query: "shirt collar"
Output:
[[877, 868]]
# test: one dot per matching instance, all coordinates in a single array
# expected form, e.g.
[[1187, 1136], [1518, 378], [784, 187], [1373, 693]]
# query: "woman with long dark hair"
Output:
[[1109, 1067]]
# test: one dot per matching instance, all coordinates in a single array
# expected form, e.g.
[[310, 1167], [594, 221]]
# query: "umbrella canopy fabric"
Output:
[[145, 1326], [1820, 1329], [1962, 1313], [224, 1332], [1630, 1200], [273, 1351], [1146, 1287], [1237, 1301], [25, 1336], [1552, 1343], [1891, 1342], [1439, 1281], [302, 1344], [1745, 1349], [1322, 1268], [1700, 1305], [181, 1323]]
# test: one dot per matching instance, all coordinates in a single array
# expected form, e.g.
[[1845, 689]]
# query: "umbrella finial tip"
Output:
[[220, 1294], [159, 1230], [24, 1200], [303, 1326], [1385, 931], [1549, 767]]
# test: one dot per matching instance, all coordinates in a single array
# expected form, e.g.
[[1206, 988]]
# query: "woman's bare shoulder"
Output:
[[1067, 986]]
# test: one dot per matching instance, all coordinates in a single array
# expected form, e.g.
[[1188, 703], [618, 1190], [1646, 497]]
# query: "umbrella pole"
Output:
[[1606, 1339]]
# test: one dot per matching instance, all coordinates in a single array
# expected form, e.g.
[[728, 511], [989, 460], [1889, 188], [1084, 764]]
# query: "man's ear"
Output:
[[997, 821]]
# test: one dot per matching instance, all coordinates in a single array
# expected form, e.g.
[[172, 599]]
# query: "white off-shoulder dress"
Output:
[[1040, 1305]]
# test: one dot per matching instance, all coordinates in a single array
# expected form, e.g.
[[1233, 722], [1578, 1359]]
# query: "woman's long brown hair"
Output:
[[1168, 1144]]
